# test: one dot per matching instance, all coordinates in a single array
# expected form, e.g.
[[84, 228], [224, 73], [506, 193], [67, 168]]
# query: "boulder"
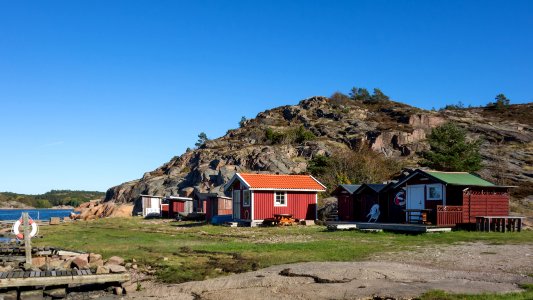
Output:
[[102, 270], [55, 263], [116, 268], [31, 295], [38, 261], [56, 293], [55, 221], [118, 290], [115, 260], [95, 260], [94, 257], [95, 264], [129, 287], [9, 295], [6, 268], [81, 261]]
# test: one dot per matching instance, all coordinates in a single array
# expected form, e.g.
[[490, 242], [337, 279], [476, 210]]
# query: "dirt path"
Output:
[[465, 268]]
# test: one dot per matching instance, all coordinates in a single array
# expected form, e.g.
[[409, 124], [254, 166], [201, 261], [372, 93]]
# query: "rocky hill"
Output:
[[271, 143]]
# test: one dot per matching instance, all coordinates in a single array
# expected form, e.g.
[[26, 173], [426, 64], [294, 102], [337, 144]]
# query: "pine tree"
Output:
[[360, 94], [451, 151], [242, 121], [202, 139], [378, 96], [501, 101]]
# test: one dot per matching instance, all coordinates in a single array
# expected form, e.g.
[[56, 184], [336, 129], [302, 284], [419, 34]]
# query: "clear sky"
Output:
[[95, 93]]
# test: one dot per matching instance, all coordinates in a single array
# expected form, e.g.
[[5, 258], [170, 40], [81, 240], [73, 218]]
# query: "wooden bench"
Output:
[[419, 216]]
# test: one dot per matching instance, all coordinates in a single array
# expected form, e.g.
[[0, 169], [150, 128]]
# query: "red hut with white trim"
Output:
[[257, 197]]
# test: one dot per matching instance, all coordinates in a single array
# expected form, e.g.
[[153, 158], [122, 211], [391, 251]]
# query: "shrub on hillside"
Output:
[[353, 167], [294, 135]]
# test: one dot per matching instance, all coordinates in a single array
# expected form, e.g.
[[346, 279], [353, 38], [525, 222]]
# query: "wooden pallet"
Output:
[[26, 274], [52, 278]]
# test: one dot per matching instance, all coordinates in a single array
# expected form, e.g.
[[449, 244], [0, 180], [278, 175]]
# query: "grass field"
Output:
[[440, 295], [182, 251]]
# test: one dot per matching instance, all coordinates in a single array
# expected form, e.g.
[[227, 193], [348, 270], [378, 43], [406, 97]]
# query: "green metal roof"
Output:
[[459, 178]]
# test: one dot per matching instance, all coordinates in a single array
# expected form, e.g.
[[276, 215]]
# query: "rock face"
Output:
[[393, 129], [95, 209]]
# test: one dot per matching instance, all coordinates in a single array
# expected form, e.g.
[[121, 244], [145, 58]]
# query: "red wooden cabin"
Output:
[[257, 197], [178, 205], [452, 198], [345, 201], [212, 204]]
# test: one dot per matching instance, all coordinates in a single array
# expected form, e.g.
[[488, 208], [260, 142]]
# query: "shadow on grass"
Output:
[[183, 224]]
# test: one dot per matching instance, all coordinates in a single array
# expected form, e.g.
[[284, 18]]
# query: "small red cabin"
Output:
[[257, 197], [212, 204], [345, 201], [177, 205]]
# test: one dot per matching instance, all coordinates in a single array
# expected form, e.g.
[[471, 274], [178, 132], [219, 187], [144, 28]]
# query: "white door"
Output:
[[154, 209], [415, 198], [237, 204]]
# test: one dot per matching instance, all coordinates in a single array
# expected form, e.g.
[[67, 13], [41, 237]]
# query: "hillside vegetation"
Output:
[[48, 199]]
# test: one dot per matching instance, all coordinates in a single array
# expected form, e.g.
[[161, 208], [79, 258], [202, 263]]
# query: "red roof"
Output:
[[281, 182]]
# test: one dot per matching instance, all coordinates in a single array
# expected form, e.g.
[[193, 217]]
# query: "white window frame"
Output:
[[275, 199], [437, 186], [246, 196]]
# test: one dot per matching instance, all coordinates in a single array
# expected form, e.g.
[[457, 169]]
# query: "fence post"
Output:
[[27, 238]]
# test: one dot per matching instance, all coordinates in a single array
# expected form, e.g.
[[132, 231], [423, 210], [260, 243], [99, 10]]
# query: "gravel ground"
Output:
[[464, 268]]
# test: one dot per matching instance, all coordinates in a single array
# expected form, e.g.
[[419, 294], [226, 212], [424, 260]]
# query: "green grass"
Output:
[[198, 252], [440, 295]]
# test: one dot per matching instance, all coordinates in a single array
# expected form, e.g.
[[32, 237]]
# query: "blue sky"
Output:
[[95, 93]]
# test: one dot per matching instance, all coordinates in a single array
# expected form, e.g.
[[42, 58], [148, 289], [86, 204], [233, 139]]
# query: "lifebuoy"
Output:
[[20, 235], [399, 199]]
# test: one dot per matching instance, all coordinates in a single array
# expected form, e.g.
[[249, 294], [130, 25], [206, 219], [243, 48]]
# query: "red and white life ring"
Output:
[[20, 235], [399, 199]]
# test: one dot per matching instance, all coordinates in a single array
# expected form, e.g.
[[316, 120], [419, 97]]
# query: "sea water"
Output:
[[36, 214]]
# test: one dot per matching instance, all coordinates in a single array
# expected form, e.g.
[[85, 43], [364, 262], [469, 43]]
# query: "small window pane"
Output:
[[280, 198], [246, 198]]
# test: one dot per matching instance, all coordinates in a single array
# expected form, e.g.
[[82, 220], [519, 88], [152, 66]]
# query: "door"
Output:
[[237, 204], [415, 199], [153, 208]]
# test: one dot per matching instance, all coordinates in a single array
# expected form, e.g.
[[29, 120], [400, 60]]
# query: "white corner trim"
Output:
[[252, 205], [316, 206]]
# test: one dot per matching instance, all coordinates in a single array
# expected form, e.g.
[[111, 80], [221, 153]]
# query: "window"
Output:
[[434, 192], [246, 198], [227, 203], [280, 199]]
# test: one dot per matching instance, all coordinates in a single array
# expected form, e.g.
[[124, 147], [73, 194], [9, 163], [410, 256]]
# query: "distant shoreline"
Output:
[[33, 208]]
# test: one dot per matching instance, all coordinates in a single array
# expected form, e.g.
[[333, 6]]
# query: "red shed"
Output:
[[259, 196], [452, 198], [178, 205], [345, 201], [212, 204]]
